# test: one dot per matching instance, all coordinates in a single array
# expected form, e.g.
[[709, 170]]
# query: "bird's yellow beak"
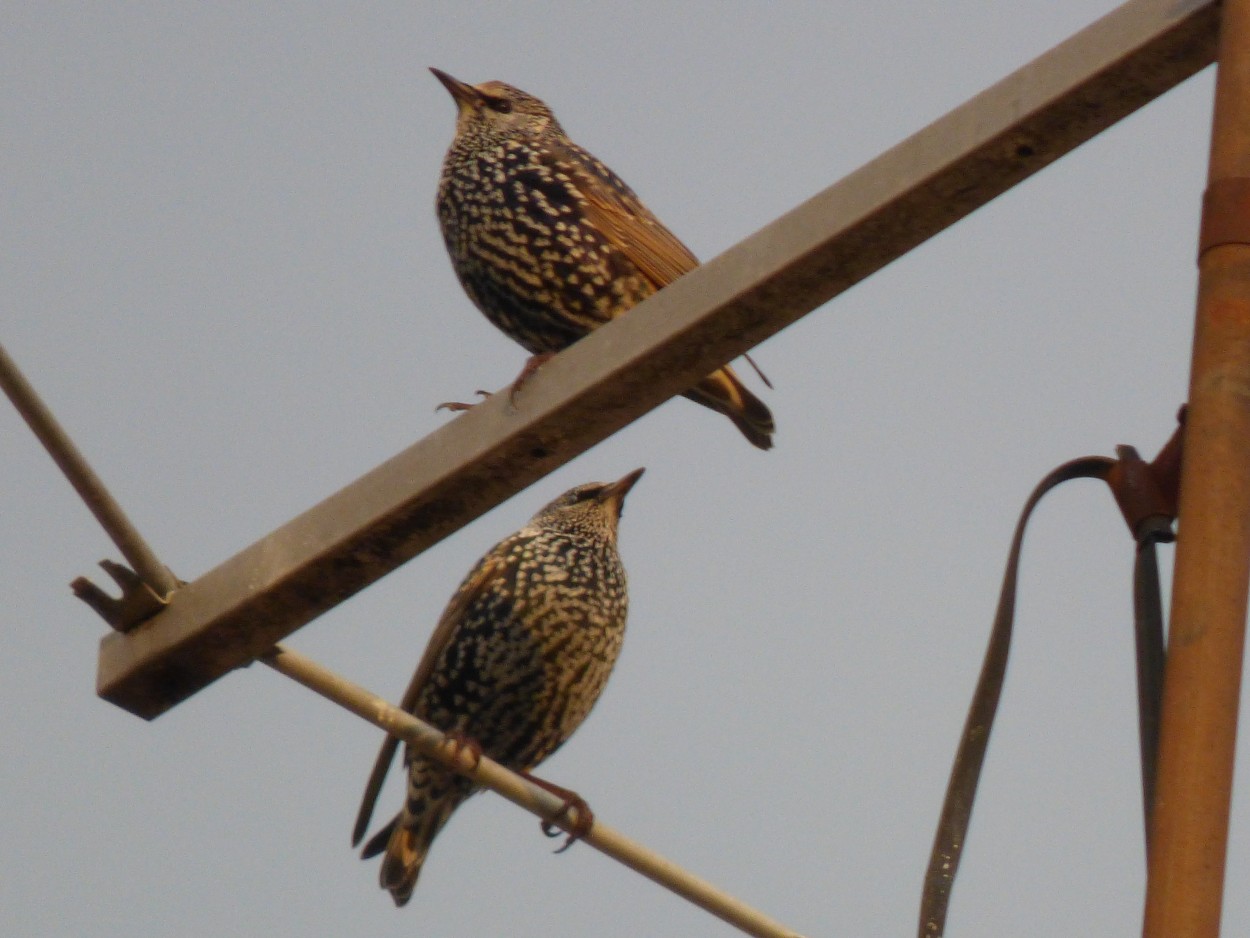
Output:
[[464, 94], [616, 492]]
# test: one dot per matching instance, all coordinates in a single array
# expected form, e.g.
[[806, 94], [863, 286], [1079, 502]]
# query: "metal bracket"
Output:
[[1147, 493]]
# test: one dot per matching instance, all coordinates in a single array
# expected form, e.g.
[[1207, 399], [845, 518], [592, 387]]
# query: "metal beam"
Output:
[[236, 611]]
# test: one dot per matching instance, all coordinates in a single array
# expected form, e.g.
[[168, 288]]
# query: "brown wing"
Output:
[[613, 208], [488, 569]]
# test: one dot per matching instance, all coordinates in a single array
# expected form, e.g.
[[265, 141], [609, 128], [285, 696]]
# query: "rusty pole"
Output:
[[1207, 633]]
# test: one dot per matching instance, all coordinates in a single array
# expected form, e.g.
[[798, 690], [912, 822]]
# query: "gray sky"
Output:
[[222, 270]]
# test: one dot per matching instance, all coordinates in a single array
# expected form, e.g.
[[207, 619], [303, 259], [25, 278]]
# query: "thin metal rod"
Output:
[[519, 791], [84, 480], [1209, 597], [1011, 130]]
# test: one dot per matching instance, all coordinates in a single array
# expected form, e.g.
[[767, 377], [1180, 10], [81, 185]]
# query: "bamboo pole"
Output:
[[1207, 632], [520, 791]]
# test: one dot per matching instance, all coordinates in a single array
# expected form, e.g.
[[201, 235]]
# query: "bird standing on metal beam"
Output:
[[550, 244], [517, 660]]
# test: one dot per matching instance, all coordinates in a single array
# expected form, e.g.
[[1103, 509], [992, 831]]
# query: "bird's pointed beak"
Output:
[[465, 94], [617, 491]]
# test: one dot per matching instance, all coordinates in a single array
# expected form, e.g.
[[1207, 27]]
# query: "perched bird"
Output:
[[517, 660], [550, 244]]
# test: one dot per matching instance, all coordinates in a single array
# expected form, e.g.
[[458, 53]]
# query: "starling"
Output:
[[550, 244], [517, 660]]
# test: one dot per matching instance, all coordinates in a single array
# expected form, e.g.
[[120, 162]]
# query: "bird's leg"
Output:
[[532, 364], [572, 802], [458, 745], [458, 405]]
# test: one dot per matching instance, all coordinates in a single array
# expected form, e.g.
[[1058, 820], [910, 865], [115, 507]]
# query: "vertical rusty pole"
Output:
[[1207, 633]]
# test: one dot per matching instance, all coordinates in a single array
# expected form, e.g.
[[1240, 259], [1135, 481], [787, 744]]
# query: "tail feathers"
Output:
[[432, 797], [405, 840], [405, 852], [377, 843], [725, 393]]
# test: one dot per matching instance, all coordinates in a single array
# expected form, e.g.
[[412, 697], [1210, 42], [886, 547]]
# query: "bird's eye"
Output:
[[502, 105]]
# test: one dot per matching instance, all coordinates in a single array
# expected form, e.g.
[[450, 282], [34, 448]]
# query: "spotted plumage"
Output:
[[517, 660], [549, 243]]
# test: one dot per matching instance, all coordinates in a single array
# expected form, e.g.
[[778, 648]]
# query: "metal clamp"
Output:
[[1225, 213]]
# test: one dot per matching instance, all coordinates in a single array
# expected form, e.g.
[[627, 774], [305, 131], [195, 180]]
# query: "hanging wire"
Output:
[[519, 791]]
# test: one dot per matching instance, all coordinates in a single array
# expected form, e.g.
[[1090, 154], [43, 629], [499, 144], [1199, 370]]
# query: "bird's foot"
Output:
[[457, 406], [460, 747], [583, 817], [532, 364]]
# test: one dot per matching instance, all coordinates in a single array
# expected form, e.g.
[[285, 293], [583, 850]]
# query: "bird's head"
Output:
[[496, 110], [593, 508]]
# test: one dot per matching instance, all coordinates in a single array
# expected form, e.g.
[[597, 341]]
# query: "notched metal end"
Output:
[[137, 603]]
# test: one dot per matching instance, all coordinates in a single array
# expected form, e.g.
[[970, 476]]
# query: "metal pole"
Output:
[[521, 792], [88, 485], [1207, 632]]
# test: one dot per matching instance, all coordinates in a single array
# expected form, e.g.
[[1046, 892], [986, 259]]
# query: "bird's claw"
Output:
[[580, 828], [584, 818], [457, 406], [532, 364], [585, 821], [457, 743]]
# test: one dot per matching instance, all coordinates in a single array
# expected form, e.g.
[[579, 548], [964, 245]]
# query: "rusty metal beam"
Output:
[[236, 611], [1202, 683]]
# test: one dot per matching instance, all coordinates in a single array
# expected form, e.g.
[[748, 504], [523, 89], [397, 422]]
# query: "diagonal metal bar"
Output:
[[522, 792], [235, 612], [154, 574]]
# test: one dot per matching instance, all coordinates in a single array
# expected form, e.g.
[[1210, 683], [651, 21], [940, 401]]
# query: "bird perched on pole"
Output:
[[516, 661], [550, 244]]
